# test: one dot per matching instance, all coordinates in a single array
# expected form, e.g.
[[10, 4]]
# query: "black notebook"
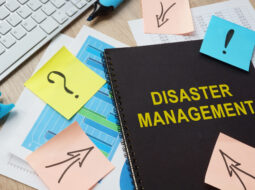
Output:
[[172, 103]]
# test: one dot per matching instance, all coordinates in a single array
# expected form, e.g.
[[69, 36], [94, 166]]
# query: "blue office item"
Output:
[[5, 109], [229, 42], [125, 179], [108, 3], [102, 7]]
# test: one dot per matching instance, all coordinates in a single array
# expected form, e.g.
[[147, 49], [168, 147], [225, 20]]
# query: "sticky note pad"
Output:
[[232, 165], [65, 83], [167, 17], [70, 160], [229, 42]]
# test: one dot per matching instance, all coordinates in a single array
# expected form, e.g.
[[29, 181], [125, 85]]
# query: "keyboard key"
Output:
[[14, 19], [24, 12], [34, 4], [3, 13], [4, 27], [19, 49], [22, 1], [48, 9], [49, 25], [29, 24], [39, 16], [2, 50], [18, 32], [8, 40], [75, 1], [44, 1], [60, 17], [58, 3], [2, 2], [71, 10], [81, 4], [12, 5]]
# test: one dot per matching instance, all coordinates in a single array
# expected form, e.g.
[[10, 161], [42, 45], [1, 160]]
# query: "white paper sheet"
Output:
[[10, 165], [238, 11]]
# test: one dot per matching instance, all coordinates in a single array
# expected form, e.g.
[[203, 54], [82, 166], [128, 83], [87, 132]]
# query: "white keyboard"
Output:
[[26, 25]]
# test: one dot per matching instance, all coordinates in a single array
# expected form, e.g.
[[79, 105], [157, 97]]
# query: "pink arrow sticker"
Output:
[[232, 165], [167, 17], [70, 160]]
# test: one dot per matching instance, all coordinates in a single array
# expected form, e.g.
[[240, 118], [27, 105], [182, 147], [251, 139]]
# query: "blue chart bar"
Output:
[[96, 67], [49, 135], [94, 51], [90, 54], [101, 103], [95, 64]]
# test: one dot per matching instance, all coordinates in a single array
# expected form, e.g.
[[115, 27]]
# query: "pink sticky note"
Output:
[[167, 16], [70, 161], [232, 165]]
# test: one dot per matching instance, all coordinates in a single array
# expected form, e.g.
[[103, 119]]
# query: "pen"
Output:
[[102, 7]]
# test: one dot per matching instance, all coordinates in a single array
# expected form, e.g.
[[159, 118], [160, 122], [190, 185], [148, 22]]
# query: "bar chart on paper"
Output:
[[96, 118]]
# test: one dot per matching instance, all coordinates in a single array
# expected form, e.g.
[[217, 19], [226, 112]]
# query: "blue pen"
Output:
[[102, 7]]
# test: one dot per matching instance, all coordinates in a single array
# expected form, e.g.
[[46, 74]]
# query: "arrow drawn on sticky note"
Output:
[[161, 18], [233, 168], [75, 156]]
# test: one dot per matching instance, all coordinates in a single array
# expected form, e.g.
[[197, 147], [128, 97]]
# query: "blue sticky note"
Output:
[[229, 42]]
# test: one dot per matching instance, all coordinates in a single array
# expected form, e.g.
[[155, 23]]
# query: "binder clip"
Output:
[[5, 109]]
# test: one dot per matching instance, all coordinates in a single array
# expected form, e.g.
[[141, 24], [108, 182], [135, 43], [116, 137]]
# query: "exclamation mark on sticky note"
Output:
[[228, 39]]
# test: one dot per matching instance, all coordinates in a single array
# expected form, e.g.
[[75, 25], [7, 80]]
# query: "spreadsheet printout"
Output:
[[239, 12]]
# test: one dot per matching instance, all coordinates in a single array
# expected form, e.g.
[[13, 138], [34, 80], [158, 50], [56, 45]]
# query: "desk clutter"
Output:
[[176, 112]]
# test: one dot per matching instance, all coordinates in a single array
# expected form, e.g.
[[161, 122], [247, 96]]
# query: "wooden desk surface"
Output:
[[115, 25]]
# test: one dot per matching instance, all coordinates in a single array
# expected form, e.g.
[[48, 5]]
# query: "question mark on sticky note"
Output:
[[64, 78]]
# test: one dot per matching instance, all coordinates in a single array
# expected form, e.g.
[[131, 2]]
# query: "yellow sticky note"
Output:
[[232, 165], [69, 161], [167, 17], [65, 83]]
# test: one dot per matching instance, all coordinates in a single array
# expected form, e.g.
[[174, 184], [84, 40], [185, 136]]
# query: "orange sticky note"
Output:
[[167, 17], [70, 160], [232, 165]]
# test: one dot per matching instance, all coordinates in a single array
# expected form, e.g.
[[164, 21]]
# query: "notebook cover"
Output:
[[176, 155]]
